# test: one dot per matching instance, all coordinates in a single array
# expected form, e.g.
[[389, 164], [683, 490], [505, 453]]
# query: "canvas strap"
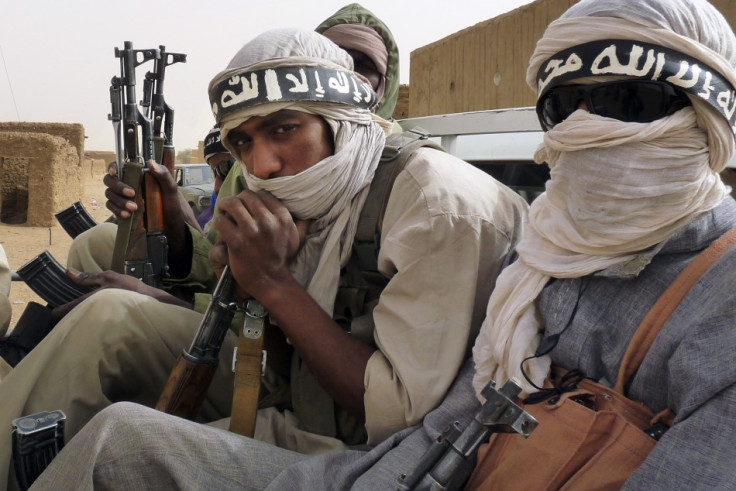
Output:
[[666, 305], [248, 368]]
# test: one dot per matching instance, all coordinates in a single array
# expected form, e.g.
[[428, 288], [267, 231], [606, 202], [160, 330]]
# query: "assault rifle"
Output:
[[158, 110], [189, 380], [140, 245], [438, 468]]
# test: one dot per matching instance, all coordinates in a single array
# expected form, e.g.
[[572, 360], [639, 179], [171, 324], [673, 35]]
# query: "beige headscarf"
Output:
[[362, 38], [616, 188], [332, 192]]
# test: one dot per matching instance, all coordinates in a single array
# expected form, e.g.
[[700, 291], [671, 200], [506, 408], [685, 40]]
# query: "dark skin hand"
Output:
[[121, 202], [111, 279], [177, 213], [258, 239]]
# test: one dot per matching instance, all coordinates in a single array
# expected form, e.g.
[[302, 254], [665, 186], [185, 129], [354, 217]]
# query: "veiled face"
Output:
[[363, 65], [283, 143]]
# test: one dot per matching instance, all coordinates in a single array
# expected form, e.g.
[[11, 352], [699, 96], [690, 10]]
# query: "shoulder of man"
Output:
[[396, 153]]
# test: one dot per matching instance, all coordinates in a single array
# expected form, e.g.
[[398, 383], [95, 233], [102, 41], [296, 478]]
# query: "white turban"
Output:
[[332, 192], [616, 189]]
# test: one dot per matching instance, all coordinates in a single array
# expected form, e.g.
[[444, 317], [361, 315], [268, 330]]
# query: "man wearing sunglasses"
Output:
[[637, 100]]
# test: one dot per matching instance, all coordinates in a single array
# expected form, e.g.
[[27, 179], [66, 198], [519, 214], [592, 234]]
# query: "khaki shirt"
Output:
[[446, 232]]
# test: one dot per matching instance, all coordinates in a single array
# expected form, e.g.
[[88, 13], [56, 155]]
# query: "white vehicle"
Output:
[[196, 183], [501, 142]]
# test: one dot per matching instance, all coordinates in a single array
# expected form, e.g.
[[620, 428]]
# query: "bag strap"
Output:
[[249, 360], [398, 149], [666, 305]]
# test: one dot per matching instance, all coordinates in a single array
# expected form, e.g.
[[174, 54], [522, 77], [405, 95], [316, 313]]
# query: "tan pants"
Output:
[[115, 346], [91, 251]]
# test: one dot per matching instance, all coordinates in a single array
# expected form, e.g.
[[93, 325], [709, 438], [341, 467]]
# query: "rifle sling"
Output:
[[133, 176], [248, 369]]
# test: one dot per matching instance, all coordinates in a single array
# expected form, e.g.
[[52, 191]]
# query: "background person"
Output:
[[220, 161]]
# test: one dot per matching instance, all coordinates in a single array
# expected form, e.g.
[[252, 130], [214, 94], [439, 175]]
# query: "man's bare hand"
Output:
[[111, 279], [258, 239], [121, 201], [120, 197]]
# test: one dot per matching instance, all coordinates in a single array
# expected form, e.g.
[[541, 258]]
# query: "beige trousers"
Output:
[[91, 251], [115, 346]]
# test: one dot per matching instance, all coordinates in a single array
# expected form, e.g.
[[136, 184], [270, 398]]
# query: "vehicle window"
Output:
[[526, 178], [198, 175]]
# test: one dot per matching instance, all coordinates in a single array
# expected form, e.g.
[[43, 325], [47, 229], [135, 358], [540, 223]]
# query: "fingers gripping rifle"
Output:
[[439, 467], [160, 112], [140, 245]]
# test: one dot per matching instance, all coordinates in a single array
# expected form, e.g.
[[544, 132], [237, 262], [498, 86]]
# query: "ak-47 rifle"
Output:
[[454, 449], [189, 380], [191, 377], [140, 245], [158, 110]]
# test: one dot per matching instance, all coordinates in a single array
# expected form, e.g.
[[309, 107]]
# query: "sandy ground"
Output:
[[23, 243]]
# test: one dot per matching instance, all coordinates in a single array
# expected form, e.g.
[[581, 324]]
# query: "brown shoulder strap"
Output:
[[396, 153], [248, 370], [666, 304]]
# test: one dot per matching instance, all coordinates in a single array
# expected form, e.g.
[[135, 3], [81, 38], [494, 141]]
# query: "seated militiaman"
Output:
[[634, 196], [221, 162], [309, 156]]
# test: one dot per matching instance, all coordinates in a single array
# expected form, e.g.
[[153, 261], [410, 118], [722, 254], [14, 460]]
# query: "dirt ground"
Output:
[[23, 243]]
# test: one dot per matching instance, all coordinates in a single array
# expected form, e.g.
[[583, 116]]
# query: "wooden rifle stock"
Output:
[[168, 158], [187, 385], [154, 205]]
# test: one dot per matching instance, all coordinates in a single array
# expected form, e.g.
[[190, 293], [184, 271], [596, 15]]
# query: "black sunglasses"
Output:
[[221, 170], [632, 101]]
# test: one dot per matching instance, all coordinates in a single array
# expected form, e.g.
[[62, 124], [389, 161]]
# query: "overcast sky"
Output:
[[58, 55]]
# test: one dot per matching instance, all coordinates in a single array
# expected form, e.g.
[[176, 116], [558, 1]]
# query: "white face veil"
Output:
[[616, 189], [304, 71]]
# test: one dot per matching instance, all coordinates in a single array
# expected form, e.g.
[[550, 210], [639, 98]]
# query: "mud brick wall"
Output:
[[401, 111], [40, 173], [73, 133], [484, 66]]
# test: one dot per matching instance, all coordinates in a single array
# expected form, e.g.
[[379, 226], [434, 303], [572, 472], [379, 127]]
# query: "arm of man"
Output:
[[178, 217], [258, 240], [110, 279], [444, 243]]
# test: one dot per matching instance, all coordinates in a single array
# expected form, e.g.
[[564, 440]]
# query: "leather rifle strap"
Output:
[[248, 368], [666, 304]]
